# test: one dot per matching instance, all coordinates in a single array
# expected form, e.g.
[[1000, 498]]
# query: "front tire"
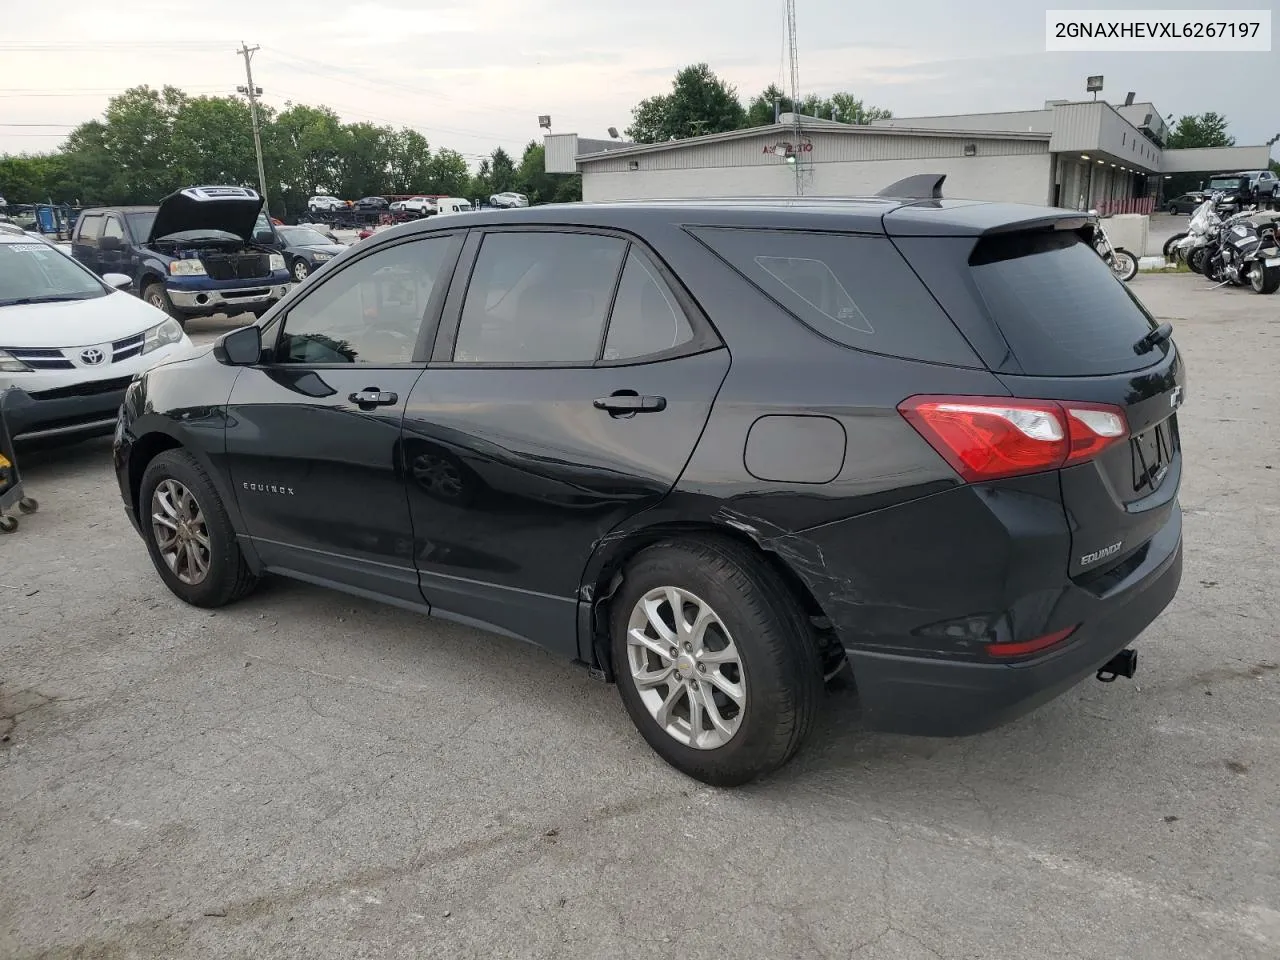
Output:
[[715, 660], [1168, 244], [156, 295], [1196, 258], [188, 534], [1123, 264], [300, 270]]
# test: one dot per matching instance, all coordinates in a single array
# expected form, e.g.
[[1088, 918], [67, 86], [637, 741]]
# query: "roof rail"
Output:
[[919, 186]]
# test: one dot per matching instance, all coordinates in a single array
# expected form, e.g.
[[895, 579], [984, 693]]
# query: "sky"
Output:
[[475, 74]]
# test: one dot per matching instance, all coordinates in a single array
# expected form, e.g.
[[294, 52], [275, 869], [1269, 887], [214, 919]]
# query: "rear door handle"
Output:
[[372, 397], [622, 403]]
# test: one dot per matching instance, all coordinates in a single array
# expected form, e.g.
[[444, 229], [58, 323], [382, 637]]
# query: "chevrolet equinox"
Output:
[[715, 451]]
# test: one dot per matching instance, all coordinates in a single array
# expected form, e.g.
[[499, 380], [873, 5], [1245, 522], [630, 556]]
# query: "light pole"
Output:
[[253, 93]]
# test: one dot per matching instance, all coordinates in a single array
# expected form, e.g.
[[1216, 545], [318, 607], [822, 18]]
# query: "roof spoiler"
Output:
[[920, 186]]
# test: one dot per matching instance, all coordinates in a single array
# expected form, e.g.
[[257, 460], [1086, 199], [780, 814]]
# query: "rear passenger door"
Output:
[[570, 381]]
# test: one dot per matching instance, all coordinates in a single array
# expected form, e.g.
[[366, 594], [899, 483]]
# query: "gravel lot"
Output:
[[308, 775]]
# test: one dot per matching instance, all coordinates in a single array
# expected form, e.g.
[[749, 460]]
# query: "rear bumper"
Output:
[[35, 418], [934, 697]]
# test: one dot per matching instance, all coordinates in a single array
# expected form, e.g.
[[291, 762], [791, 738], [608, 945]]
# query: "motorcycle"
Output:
[[1191, 247], [1245, 253], [1122, 263]]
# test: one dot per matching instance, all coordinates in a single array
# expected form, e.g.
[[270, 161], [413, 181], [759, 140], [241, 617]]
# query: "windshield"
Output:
[[302, 236], [35, 272], [1224, 183], [140, 223]]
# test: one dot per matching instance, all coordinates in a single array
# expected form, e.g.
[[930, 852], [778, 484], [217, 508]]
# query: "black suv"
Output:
[[712, 450]]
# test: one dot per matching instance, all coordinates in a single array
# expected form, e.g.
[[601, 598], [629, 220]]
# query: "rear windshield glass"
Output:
[[1058, 305], [855, 290]]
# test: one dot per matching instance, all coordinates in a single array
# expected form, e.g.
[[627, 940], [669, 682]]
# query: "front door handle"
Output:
[[372, 397], [627, 402]]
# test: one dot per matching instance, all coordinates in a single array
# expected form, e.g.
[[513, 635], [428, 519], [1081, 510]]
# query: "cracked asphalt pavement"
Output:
[[310, 775]]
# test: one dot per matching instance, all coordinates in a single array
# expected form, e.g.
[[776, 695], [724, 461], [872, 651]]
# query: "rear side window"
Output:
[[646, 319], [855, 290], [1060, 309]]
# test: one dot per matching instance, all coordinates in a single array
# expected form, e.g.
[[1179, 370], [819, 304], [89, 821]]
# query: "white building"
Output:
[[1073, 154]]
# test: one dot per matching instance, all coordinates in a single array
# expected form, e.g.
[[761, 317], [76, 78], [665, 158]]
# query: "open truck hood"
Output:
[[231, 209]]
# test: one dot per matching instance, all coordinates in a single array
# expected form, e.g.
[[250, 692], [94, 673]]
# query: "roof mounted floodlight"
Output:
[[920, 186]]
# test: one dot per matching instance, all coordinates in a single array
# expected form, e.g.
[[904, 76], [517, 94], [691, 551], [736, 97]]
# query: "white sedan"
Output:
[[70, 342]]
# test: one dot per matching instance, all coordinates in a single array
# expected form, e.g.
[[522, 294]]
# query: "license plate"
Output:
[[1272, 261], [1150, 454]]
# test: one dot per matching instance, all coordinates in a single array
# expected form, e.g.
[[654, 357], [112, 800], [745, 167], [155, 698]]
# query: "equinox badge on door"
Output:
[[269, 488]]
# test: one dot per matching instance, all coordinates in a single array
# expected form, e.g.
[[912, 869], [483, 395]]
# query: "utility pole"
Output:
[[253, 93]]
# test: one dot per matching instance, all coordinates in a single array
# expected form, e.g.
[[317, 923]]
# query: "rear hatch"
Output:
[[1052, 323]]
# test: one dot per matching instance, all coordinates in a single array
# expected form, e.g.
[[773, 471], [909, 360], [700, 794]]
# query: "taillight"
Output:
[[1027, 647], [985, 438]]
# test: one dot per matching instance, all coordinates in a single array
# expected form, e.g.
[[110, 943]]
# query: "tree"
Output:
[[850, 109], [212, 141], [844, 107], [482, 182], [449, 174], [503, 172], [1202, 130], [410, 163], [364, 161], [699, 103]]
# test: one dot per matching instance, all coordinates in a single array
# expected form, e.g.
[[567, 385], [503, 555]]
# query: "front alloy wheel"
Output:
[[300, 270], [180, 531], [686, 668]]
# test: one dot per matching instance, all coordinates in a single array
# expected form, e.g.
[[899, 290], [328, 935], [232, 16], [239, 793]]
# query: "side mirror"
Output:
[[117, 281], [239, 348], [264, 236], [110, 243]]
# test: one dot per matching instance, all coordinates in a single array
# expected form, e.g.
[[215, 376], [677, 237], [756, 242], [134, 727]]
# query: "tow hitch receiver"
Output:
[[1123, 664]]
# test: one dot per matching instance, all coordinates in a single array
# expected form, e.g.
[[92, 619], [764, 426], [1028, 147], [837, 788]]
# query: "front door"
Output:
[[313, 433], [84, 243], [568, 389]]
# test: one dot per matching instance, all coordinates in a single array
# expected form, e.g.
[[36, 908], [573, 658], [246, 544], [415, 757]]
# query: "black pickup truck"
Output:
[[203, 250]]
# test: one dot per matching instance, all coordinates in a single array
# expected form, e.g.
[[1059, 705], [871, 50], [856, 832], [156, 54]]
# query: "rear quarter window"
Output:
[[853, 289], [1059, 307]]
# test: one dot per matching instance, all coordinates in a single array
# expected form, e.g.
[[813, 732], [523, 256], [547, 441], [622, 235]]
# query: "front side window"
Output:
[[91, 227], [372, 311], [539, 297]]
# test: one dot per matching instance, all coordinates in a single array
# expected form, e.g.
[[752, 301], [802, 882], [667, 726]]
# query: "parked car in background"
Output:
[[372, 203], [1245, 188], [326, 204], [70, 342], [508, 200], [1186, 203], [198, 253], [323, 229], [422, 206], [306, 250], [714, 450]]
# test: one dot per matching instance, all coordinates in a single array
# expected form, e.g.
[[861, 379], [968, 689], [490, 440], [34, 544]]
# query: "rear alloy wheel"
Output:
[[300, 270], [716, 662], [1264, 279], [188, 534]]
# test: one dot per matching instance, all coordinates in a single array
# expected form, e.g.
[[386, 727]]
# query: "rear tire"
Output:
[[759, 644], [1264, 279], [204, 567]]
